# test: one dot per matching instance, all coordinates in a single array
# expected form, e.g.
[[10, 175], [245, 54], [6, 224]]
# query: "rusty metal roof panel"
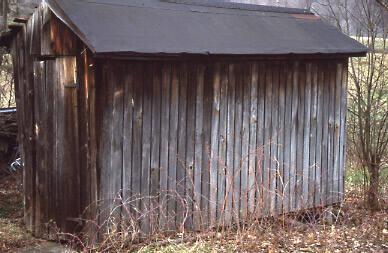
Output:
[[199, 27]]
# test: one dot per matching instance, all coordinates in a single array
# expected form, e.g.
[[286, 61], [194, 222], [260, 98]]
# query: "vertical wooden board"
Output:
[[238, 143], [274, 167], [164, 142], [253, 123], [199, 120], [294, 135], [260, 145], [325, 133], [72, 132], [68, 135], [21, 90], [281, 139], [92, 120], [268, 133], [138, 116], [105, 97], [72, 150], [128, 83], [332, 91], [246, 83], [110, 146], [288, 125], [319, 139], [306, 137], [313, 135], [14, 50], [155, 143], [337, 132], [29, 113], [146, 147], [300, 136], [39, 132], [43, 184], [58, 153], [207, 125], [182, 138], [190, 142], [60, 116], [116, 155], [99, 106], [230, 144], [50, 69], [222, 163], [57, 156], [344, 93], [215, 135], [27, 63], [87, 141], [31, 135], [173, 142], [83, 112], [38, 146], [25, 75]]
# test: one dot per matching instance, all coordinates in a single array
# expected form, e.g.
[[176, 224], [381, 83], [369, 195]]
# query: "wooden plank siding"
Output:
[[173, 144], [219, 124]]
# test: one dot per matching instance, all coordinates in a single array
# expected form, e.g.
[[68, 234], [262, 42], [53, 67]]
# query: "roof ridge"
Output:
[[240, 6], [208, 3]]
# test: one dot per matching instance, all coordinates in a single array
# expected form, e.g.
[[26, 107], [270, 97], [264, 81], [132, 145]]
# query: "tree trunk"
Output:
[[5, 14], [373, 192]]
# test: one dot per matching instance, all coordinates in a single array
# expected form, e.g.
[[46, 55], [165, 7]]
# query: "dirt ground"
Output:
[[356, 230], [12, 232]]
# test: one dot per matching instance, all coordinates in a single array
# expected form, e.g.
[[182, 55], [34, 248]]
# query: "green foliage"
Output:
[[358, 178]]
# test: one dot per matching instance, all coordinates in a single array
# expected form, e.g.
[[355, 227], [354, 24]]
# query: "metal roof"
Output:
[[199, 27]]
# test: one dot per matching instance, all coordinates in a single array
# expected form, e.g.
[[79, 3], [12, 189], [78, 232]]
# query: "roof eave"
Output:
[[134, 55]]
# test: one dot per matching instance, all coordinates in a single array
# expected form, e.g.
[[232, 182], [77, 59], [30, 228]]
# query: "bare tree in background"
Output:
[[9, 9], [4, 13], [306, 4], [368, 84], [7, 97]]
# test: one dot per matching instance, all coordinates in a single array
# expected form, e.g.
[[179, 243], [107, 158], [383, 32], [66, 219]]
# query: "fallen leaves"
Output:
[[357, 230], [12, 231]]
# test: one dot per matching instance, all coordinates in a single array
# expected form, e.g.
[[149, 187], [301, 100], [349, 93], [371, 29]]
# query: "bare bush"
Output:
[[125, 223], [367, 121]]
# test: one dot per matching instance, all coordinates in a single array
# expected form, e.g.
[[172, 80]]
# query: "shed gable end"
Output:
[[49, 36]]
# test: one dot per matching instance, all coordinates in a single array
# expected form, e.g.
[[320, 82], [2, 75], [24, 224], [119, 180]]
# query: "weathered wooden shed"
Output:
[[194, 113]]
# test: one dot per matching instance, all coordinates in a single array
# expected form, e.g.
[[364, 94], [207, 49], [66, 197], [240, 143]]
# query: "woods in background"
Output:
[[7, 93], [9, 9]]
